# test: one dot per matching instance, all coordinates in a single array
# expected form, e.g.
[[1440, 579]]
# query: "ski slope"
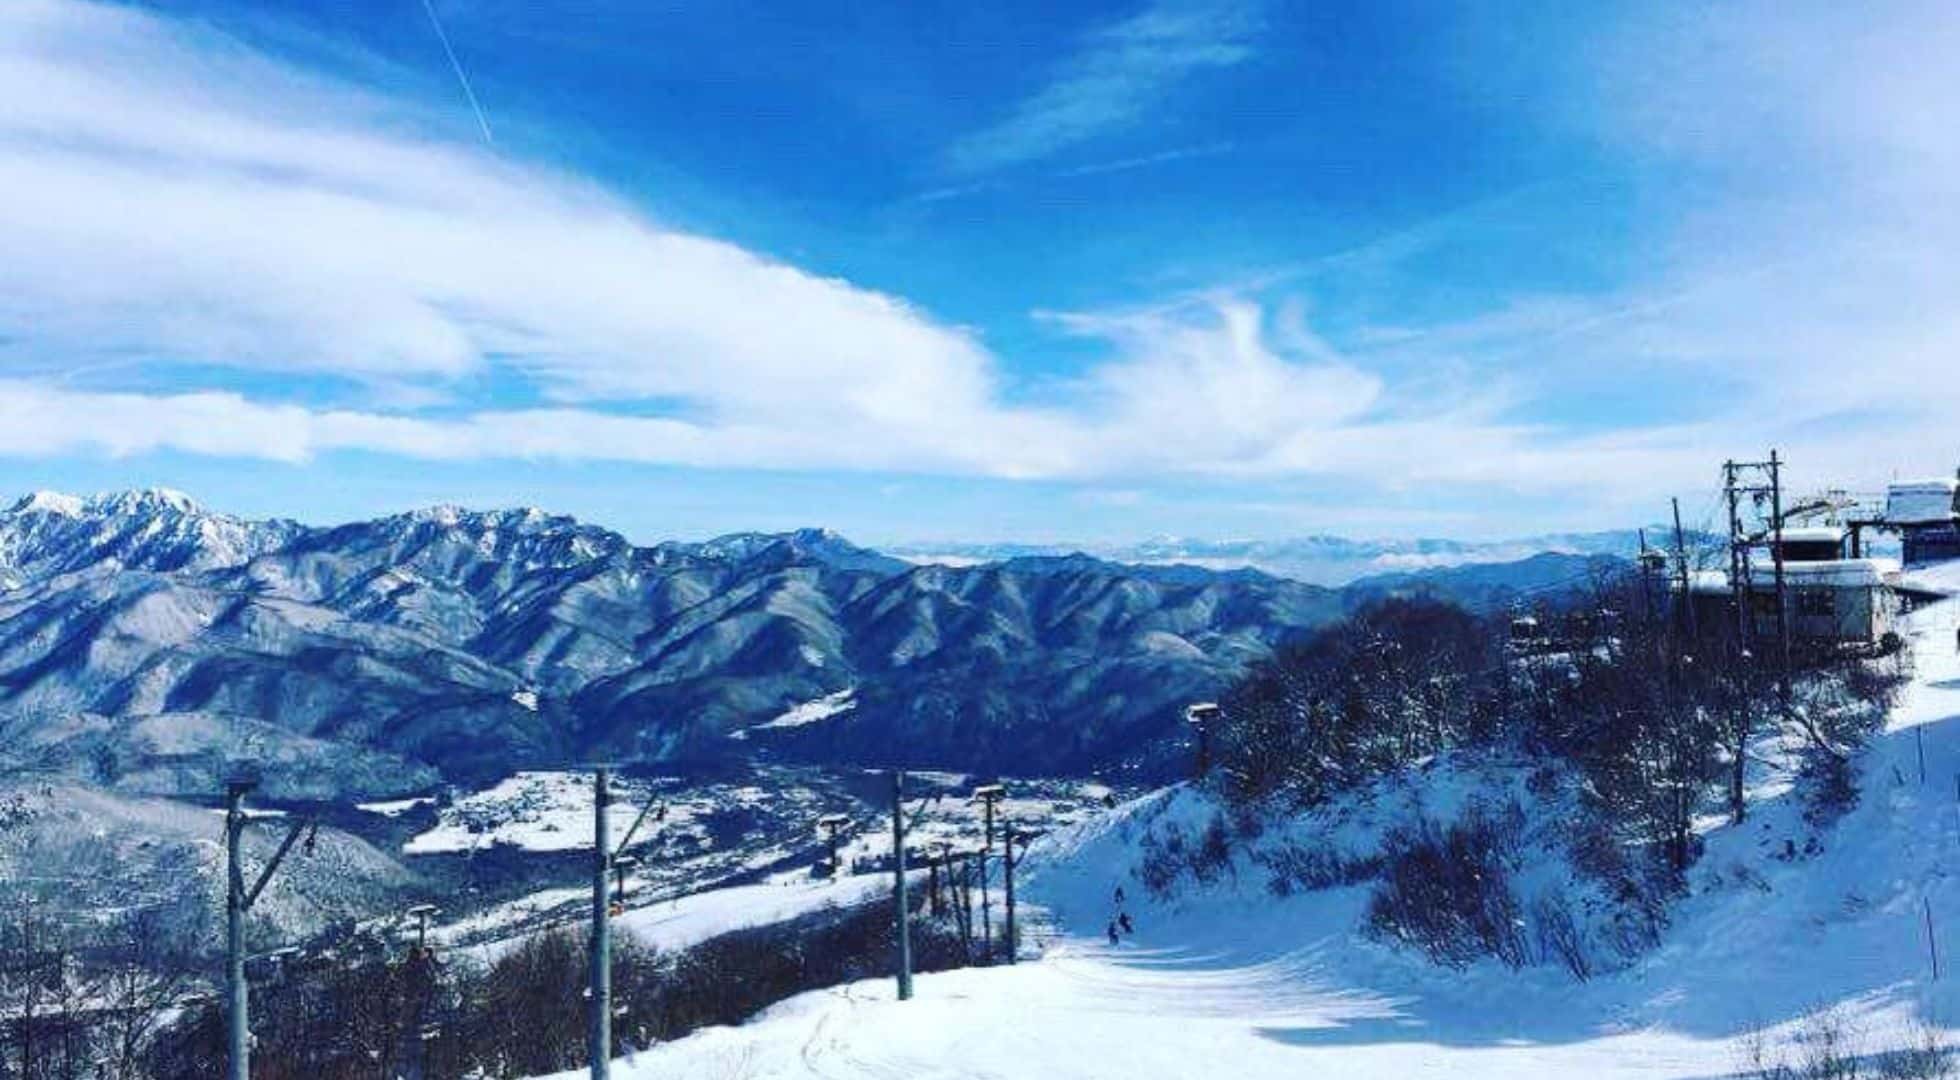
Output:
[[1228, 980], [690, 920]]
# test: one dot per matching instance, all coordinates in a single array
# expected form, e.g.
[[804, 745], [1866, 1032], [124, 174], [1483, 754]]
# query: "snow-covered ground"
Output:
[[807, 713], [690, 920], [536, 811], [395, 807], [551, 811], [1229, 980], [758, 830]]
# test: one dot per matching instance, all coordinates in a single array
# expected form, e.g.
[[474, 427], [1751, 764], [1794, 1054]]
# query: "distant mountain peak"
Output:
[[156, 529], [797, 547], [145, 500], [50, 502], [113, 503]]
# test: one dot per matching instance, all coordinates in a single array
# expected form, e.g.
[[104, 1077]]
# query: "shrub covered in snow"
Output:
[[1447, 890], [525, 1014], [1625, 726], [1399, 680], [1171, 853]]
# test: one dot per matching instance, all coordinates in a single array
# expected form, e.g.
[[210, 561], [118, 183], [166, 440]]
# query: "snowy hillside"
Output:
[[1782, 916]]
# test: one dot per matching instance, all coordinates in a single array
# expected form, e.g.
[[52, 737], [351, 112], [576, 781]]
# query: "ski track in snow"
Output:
[[1234, 983]]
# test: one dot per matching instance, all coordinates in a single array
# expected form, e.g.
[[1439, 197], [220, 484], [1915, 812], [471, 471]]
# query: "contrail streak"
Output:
[[457, 66]]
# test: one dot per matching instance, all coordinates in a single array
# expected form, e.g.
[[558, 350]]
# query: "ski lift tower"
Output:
[[833, 825], [243, 777], [599, 990], [606, 860], [1202, 716], [421, 913], [988, 795]]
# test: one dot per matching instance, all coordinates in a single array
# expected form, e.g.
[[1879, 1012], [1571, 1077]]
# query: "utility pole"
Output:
[[1759, 480], [238, 902], [1767, 477], [988, 796], [599, 1038], [904, 913], [1782, 594], [1738, 557], [1681, 566], [1646, 581]]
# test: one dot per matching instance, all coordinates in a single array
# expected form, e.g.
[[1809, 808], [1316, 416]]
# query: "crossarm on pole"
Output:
[[286, 845], [634, 828]]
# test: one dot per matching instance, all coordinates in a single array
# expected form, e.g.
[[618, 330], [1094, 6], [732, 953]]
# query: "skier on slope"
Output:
[[1113, 938]]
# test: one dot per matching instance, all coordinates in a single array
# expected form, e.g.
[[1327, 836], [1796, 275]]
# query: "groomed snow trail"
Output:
[[1231, 982]]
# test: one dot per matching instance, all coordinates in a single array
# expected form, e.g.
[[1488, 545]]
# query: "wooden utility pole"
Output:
[[1738, 557], [1766, 482], [903, 915], [1782, 592], [1681, 568], [1646, 581]]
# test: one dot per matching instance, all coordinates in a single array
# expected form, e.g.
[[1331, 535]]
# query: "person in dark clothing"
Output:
[[1119, 894], [1123, 921], [1113, 938]]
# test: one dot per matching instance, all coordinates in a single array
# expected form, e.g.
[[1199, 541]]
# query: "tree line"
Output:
[[128, 994], [1657, 716]]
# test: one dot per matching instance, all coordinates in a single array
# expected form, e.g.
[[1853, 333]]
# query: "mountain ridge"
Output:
[[476, 642]]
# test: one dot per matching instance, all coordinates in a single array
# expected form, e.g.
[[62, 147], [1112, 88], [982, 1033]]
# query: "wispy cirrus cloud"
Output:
[[1122, 73], [195, 231], [196, 228]]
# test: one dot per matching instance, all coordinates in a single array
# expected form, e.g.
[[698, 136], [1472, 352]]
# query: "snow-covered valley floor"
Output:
[[1230, 981]]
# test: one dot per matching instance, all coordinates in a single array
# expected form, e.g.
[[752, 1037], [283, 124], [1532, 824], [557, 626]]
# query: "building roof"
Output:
[[1838, 573], [1832, 573], [1921, 501], [1813, 534]]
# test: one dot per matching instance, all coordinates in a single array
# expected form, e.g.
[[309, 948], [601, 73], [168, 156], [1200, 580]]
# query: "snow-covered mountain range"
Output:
[[1318, 560], [143, 638]]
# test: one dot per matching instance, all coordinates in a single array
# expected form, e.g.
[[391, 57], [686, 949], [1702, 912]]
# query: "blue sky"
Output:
[[1011, 271]]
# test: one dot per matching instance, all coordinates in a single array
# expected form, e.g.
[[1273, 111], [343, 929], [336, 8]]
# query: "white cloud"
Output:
[[181, 202], [1123, 72], [175, 202]]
